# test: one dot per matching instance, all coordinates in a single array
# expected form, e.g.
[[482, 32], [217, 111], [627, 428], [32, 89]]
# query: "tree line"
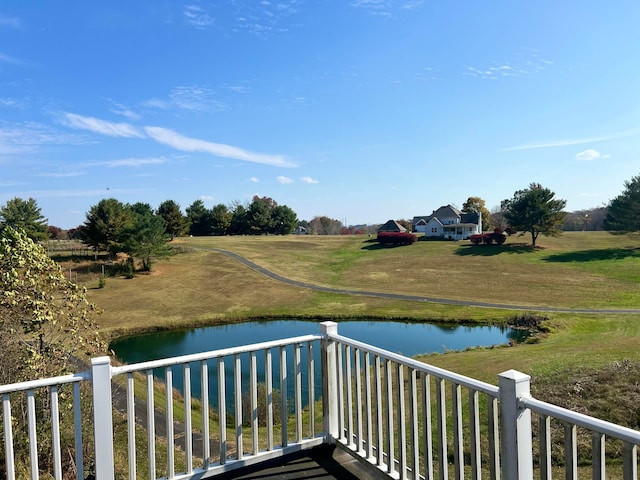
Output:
[[141, 231]]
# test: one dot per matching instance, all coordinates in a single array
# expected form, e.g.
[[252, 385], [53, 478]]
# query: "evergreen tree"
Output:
[[25, 215], [220, 219], [175, 222], [146, 238], [198, 219], [105, 225], [534, 210], [623, 212]]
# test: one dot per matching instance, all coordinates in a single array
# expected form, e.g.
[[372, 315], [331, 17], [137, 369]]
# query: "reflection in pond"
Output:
[[408, 339]]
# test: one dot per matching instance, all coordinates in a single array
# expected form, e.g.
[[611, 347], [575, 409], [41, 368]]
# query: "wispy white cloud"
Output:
[[133, 162], [62, 174], [207, 198], [284, 180], [263, 19], [187, 144], [385, 7], [28, 137], [568, 142], [308, 180], [197, 17], [10, 102], [4, 58], [590, 154], [122, 110], [103, 127], [254, 180], [13, 22], [523, 62], [241, 89], [192, 98], [71, 193]]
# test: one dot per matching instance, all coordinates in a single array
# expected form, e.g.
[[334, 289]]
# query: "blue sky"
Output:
[[361, 110]]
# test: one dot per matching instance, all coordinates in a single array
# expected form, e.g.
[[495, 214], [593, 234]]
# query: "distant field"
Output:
[[578, 269]]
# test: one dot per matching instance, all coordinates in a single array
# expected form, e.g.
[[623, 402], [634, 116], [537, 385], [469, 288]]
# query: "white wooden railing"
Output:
[[405, 418]]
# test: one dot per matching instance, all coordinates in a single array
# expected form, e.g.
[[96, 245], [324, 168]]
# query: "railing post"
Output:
[[102, 417], [515, 427], [329, 381]]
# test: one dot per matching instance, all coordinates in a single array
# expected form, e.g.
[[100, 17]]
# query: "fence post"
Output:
[[329, 381], [515, 427], [102, 417]]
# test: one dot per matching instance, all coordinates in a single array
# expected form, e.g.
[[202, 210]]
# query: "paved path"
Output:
[[414, 298]]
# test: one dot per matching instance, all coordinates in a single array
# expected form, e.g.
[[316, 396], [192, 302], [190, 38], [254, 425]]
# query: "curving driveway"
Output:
[[411, 298]]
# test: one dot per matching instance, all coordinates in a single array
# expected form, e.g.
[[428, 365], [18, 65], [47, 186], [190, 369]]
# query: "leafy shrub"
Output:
[[396, 238], [488, 238]]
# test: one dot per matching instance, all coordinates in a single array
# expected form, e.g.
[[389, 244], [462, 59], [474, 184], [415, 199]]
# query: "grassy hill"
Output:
[[576, 270]]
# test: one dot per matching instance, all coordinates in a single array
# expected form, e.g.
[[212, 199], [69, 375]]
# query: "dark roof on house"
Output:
[[448, 211], [392, 226]]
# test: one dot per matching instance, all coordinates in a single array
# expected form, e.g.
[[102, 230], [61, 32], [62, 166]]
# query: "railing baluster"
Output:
[[298, 391], [171, 463], [8, 437], [544, 432], [151, 427], [204, 398], [379, 411], [131, 425], [629, 461], [494, 438], [390, 443], [341, 427], [222, 411], [441, 407], [253, 385], [598, 456], [77, 422], [571, 452], [55, 433], [237, 393], [268, 380], [349, 396], [427, 430], [312, 391], [474, 435], [358, 405], [458, 442], [402, 425], [188, 430], [368, 409], [33, 436], [413, 419], [283, 392]]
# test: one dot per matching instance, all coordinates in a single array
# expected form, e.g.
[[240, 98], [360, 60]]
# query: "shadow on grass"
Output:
[[594, 255], [374, 245], [492, 250]]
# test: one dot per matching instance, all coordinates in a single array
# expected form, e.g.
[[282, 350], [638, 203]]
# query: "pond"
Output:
[[408, 339]]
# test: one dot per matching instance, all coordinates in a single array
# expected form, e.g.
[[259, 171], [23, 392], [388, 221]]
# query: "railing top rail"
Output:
[[581, 420], [45, 382], [463, 380], [196, 357]]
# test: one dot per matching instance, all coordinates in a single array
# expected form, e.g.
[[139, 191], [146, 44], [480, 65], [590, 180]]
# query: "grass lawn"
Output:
[[576, 270]]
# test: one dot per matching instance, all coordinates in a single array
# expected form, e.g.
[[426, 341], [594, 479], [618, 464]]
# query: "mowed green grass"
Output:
[[576, 270]]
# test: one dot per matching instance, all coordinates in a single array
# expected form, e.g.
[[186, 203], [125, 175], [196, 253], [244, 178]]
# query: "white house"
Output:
[[449, 223]]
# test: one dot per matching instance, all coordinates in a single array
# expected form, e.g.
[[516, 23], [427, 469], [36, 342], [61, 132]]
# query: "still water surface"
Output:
[[408, 339]]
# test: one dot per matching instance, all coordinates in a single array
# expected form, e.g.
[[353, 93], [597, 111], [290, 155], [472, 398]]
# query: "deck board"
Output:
[[320, 463]]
